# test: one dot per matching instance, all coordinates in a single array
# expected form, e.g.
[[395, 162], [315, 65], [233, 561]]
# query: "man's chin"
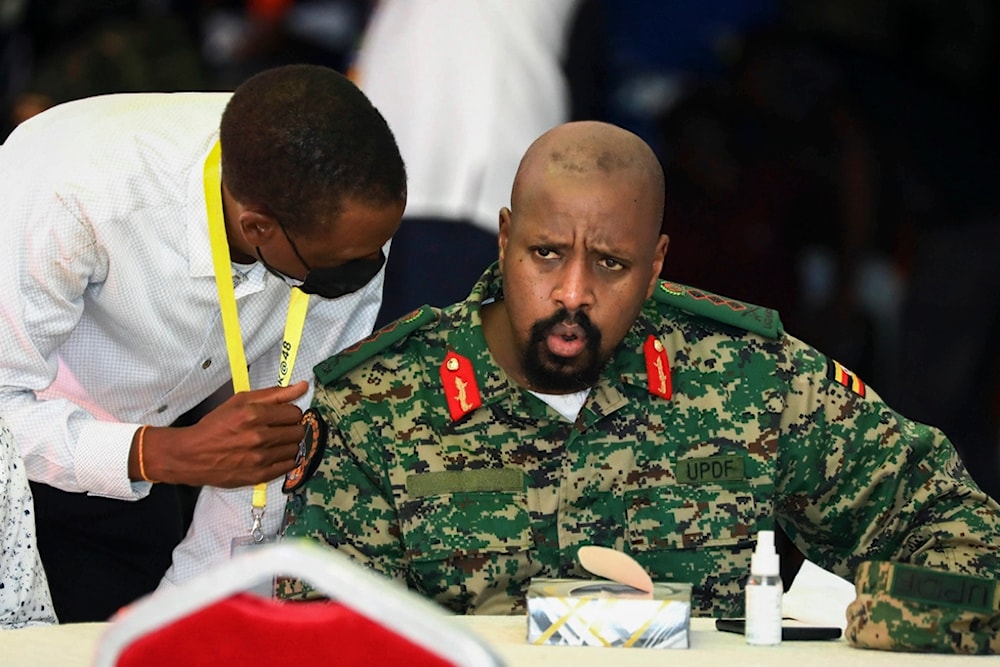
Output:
[[553, 377], [567, 367], [552, 386]]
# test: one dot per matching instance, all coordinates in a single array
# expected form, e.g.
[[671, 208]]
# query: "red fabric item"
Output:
[[247, 629], [269, 10], [458, 381], [657, 368]]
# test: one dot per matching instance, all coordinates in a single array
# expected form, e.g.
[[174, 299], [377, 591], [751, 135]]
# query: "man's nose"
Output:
[[574, 290]]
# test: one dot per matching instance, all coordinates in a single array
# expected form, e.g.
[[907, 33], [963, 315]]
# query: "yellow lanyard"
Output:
[[297, 306]]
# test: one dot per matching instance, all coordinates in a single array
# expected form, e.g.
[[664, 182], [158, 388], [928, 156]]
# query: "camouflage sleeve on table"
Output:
[[347, 503], [907, 608], [859, 482]]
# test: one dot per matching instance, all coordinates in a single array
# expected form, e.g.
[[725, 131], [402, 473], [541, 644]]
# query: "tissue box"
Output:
[[588, 612]]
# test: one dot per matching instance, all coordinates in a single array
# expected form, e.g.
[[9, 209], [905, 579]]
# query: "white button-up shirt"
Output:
[[110, 317]]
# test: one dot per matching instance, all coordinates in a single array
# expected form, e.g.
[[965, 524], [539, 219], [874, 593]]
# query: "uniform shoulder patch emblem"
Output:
[[310, 452], [458, 381], [352, 357], [839, 374], [657, 368], [756, 319]]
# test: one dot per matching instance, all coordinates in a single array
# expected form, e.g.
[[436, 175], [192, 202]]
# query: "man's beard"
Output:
[[550, 373]]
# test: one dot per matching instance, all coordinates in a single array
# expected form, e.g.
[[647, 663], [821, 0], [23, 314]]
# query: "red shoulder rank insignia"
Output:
[[310, 451], [836, 372], [657, 367], [458, 379]]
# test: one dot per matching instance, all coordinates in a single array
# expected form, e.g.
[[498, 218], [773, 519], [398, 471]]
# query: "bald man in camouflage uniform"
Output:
[[575, 399]]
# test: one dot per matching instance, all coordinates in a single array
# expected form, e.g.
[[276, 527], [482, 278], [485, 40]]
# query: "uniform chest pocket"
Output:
[[699, 534], [689, 517], [454, 525]]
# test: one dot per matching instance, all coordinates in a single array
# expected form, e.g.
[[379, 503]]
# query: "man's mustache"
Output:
[[542, 328]]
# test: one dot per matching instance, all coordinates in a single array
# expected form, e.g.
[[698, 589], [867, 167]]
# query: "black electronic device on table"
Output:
[[789, 632]]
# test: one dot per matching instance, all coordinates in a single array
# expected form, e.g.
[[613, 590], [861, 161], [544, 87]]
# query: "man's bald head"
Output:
[[589, 149], [580, 252]]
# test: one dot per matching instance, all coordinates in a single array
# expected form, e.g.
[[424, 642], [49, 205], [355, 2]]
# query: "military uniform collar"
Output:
[[463, 322], [628, 364], [626, 368], [465, 338]]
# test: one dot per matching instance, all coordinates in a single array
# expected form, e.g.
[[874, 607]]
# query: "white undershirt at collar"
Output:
[[568, 405]]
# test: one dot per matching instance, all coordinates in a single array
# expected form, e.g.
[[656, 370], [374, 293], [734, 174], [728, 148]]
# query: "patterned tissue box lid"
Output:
[[580, 612]]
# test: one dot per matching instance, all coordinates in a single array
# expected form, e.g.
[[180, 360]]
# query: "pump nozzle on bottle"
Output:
[[765, 558]]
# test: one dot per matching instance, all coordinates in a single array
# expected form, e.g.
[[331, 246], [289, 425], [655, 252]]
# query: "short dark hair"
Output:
[[299, 140]]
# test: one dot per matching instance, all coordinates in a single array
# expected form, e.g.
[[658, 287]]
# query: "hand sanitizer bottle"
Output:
[[763, 594]]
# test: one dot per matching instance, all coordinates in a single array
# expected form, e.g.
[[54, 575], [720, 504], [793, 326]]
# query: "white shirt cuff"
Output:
[[101, 465]]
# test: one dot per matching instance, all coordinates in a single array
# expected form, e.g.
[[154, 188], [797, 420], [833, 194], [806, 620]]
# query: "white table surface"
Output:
[[72, 645], [816, 596], [708, 647]]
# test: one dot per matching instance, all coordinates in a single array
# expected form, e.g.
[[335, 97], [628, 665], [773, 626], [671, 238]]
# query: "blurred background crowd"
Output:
[[834, 159]]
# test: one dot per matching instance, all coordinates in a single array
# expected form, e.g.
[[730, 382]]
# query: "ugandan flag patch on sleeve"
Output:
[[836, 372]]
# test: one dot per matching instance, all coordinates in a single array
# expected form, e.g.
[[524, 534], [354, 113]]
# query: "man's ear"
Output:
[[659, 254], [503, 234], [257, 228]]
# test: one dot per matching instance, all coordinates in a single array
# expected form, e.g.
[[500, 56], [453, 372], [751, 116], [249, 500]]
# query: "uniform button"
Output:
[[206, 363], [162, 408]]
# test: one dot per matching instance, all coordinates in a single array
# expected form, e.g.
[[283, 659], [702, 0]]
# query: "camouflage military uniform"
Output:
[[906, 608], [440, 472]]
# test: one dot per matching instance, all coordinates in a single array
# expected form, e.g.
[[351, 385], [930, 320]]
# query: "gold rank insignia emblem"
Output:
[[657, 368], [458, 379]]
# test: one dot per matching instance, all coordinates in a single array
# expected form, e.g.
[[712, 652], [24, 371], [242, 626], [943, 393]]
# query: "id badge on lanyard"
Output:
[[297, 307]]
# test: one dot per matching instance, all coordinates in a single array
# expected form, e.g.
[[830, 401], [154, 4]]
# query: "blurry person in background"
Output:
[[62, 50], [466, 87]]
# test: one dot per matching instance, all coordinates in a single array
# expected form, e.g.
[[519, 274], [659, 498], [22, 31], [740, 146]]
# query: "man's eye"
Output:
[[544, 252], [612, 264]]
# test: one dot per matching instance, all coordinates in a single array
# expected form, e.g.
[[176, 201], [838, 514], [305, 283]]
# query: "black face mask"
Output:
[[344, 279], [332, 282]]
